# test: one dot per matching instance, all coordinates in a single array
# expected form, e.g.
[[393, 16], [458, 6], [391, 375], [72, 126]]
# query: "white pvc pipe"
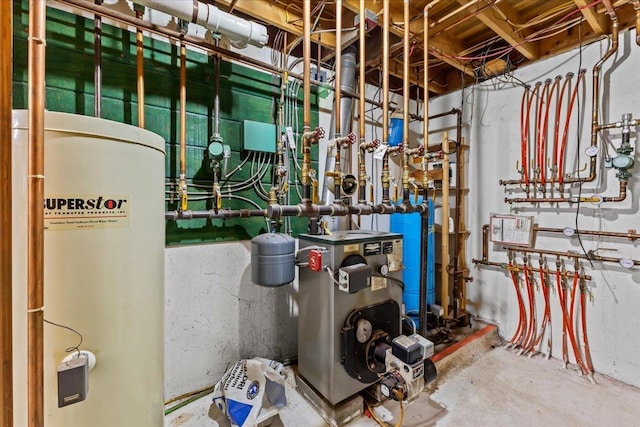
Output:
[[240, 32]]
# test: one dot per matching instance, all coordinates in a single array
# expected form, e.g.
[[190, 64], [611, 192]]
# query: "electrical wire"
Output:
[[534, 36], [68, 349]]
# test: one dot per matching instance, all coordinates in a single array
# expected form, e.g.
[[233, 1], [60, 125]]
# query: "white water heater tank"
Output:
[[104, 267]]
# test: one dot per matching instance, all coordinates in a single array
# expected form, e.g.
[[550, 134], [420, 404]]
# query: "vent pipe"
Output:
[[240, 32]]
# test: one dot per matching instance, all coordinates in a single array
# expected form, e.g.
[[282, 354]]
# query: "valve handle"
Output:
[[351, 138], [319, 132]]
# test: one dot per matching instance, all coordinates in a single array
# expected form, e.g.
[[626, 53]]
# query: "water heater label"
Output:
[[86, 212]]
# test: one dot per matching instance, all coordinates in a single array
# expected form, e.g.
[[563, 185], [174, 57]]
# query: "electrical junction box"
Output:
[[258, 136], [407, 350], [73, 381], [354, 278], [315, 260]]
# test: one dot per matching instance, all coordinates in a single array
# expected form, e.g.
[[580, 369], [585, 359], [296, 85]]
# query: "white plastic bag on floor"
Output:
[[249, 394]]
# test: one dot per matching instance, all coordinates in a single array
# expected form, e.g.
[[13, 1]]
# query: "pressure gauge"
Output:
[[384, 269], [626, 262], [363, 331], [568, 231], [592, 151]]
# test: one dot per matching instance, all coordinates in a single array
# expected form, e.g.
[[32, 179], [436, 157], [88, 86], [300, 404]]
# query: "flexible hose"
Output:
[[556, 128], [519, 330], [545, 126], [547, 312], [530, 327], [565, 134], [541, 132], [524, 137], [565, 357], [570, 333], [583, 315], [525, 166]]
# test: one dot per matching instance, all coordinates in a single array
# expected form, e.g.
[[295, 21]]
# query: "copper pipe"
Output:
[[6, 303], [519, 267], [183, 128], [385, 178], [362, 167], [596, 90], [568, 254], [338, 67], [35, 220], [622, 195], [306, 100], [97, 63], [385, 71], [140, 67], [631, 234], [362, 77], [425, 90], [636, 6], [337, 179], [405, 106], [306, 73]]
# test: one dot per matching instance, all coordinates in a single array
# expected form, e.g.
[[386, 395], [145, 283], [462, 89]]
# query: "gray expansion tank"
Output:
[[272, 259]]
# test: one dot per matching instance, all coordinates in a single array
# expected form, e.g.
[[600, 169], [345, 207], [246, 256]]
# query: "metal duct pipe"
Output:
[[35, 217], [405, 105], [6, 229], [240, 32], [348, 66]]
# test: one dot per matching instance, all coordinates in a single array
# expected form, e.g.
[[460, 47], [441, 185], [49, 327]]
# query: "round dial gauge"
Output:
[[363, 331], [384, 269], [591, 151], [568, 231], [626, 262]]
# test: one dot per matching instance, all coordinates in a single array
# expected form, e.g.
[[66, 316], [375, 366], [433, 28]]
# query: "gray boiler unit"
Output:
[[349, 310]]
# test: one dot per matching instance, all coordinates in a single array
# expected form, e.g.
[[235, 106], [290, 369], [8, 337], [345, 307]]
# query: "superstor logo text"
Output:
[[77, 203]]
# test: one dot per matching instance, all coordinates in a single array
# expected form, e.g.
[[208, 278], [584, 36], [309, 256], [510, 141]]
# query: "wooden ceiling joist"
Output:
[[597, 22], [491, 18], [274, 14]]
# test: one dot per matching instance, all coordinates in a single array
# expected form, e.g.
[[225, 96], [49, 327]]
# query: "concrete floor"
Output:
[[482, 384]]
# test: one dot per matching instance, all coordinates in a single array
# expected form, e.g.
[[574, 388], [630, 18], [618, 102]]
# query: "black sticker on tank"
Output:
[[372, 248], [387, 247]]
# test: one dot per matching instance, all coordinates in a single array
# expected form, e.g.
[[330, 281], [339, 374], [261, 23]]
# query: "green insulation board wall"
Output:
[[245, 94]]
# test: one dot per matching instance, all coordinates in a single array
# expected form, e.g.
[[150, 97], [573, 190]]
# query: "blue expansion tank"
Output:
[[410, 226]]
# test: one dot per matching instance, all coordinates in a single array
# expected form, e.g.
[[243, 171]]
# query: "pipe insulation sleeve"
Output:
[[240, 32]]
